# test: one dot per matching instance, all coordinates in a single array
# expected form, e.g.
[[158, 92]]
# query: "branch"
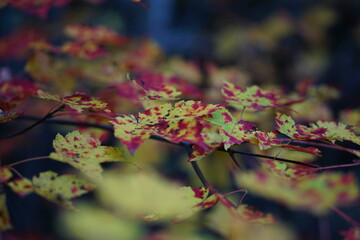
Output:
[[272, 158], [346, 217], [39, 121], [206, 184], [187, 145], [233, 158], [319, 144]]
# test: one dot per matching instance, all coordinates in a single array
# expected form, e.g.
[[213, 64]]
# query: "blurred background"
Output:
[[292, 44]]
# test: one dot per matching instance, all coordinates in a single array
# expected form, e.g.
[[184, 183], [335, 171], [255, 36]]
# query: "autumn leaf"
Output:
[[251, 97], [286, 125], [22, 186], [232, 131], [316, 193], [176, 123], [5, 223], [84, 153], [351, 234], [97, 34], [86, 50], [60, 189], [156, 86], [5, 174], [78, 101], [338, 131]]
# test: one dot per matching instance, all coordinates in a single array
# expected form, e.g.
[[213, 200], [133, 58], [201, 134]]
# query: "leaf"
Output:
[[60, 189], [246, 223], [96, 34], [5, 174], [252, 215], [5, 223], [251, 97], [22, 186], [92, 222], [232, 131], [84, 153], [178, 123], [338, 131], [351, 234], [86, 50], [156, 86], [287, 170], [286, 125], [78, 101], [316, 193], [150, 196]]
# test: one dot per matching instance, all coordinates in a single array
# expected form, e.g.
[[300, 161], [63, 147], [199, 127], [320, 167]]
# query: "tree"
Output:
[[122, 92]]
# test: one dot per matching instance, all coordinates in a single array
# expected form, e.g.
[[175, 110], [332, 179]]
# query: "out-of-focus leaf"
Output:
[[5, 223], [351, 234], [86, 50], [91, 222], [84, 153], [250, 97], [78, 101], [5, 174], [150, 196], [246, 223], [60, 189], [22, 186], [97, 34], [316, 193]]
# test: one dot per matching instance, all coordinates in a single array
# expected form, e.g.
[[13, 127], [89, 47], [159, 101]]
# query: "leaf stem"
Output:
[[16, 172], [28, 160]]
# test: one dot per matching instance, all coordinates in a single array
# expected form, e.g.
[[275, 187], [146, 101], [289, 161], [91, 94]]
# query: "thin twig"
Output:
[[272, 158], [39, 121], [233, 158], [346, 217], [338, 166]]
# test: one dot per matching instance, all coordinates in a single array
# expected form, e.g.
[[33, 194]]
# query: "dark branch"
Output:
[[38, 121]]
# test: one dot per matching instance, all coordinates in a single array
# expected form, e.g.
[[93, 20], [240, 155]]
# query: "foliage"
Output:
[[130, 93]]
